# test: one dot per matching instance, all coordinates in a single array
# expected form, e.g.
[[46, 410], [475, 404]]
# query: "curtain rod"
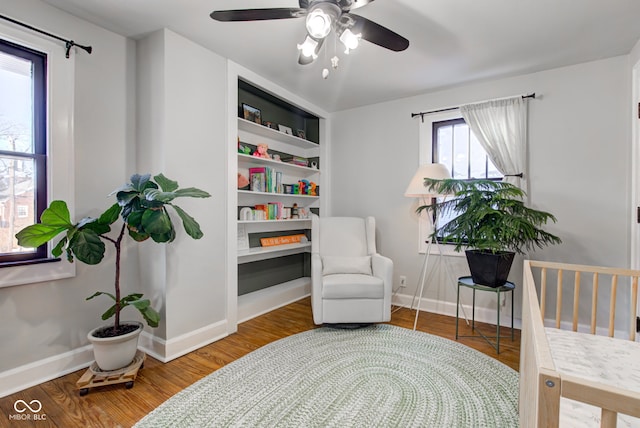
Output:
[[423, 113], [68, 43]]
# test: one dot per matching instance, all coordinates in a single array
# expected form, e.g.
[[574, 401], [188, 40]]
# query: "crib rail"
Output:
[[541, 386]]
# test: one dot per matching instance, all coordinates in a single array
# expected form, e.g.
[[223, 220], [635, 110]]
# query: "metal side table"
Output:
[[466, 281]]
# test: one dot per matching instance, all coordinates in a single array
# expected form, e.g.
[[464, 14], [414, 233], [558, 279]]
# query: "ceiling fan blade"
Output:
[[347, 5], [257, 14], [376, 33], [306, 60]]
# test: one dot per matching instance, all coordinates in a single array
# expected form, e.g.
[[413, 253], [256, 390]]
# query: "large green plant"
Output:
[[142, 205], [490, 216]]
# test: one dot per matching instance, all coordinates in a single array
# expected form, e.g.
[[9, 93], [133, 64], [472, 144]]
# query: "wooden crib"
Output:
[[557, 392]]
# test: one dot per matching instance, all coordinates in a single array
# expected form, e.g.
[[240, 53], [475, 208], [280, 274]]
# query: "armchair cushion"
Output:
[[352, 286], [336, 265]]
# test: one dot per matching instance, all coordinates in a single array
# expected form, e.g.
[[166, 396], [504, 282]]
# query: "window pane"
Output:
[[461, 151], [445, 145], [17, 201], [16, 104], [492, 170], [477, 159]]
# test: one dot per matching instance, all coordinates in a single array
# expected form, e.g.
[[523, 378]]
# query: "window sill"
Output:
[[32, 271]]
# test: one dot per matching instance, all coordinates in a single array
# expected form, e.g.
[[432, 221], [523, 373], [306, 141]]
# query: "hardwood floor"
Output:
[[116, 406]]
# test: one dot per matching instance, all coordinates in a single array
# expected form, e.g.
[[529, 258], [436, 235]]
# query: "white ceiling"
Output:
[[451, 41]]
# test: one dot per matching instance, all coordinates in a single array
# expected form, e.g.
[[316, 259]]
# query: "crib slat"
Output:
[[594, 303], [543, 290], [612, 304], [559, 299], [576, 300], [608, 419], [634, 309]]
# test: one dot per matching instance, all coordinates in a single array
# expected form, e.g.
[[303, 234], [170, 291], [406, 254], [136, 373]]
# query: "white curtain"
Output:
[[501, 128]]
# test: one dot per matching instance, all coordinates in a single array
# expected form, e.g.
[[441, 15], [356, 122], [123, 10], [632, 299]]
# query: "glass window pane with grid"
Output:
[[22, 147]]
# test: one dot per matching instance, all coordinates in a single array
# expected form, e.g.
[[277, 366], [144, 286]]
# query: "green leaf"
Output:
[[156, 221], [192, 192], [110, 215], [191, 226], [100, 293], [138, 182], [57, 250], [156, 195], [87, 247], [137, 236], [164, 237], [166, 184], [38, 234], [151, 316], [57, 215]]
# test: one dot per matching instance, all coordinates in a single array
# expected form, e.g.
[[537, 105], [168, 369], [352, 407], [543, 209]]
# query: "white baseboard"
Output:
[[37, 372], [484, 315], [266, 300], [167, 350]]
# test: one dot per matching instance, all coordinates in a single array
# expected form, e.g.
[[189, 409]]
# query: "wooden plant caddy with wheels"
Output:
[[95, 377]]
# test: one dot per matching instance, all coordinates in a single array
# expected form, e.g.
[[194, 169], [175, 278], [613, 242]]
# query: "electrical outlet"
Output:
[[403, 281]]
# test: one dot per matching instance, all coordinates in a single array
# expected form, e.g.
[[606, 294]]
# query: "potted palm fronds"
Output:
[[142, 205], [491, 222]]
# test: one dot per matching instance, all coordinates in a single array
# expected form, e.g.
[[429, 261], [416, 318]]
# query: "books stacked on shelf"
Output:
[[297, 160], [272, 210], [265, 179]]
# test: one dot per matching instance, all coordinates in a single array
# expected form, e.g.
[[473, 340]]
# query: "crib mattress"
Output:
[[602, 359]]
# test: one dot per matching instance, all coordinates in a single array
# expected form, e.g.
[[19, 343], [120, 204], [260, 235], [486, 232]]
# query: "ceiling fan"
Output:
[[321, 17]]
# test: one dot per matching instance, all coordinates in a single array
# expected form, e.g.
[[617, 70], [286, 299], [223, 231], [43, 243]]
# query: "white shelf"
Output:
[[250, 160], [263, 131], [274, 195], [263, 253], [289, 220]]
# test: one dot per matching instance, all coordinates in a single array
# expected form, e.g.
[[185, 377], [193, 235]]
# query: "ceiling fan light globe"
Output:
[[318, 23], [308, 48], [350, 40]]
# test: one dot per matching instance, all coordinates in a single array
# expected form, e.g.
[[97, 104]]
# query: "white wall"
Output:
[[182, 115], [579, 164]]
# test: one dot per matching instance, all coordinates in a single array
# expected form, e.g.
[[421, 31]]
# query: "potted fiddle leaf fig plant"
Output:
[[492, 223], [142, 206]]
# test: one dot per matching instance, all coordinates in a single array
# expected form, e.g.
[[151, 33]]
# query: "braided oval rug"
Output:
[[380, 375]]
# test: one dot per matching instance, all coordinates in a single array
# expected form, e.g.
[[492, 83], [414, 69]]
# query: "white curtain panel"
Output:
[[501, 128]]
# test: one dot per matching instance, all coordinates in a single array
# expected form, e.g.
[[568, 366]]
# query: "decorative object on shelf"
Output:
[[294, 211], [270, 125], [246, 214], [276, 158], [243, 182], [142, 205], [262, 151], [251, 114], [245, 150], [417, 189], [283, 240], [492, 222], [314, 165], [285, 129], [301, 134], [321, 18]]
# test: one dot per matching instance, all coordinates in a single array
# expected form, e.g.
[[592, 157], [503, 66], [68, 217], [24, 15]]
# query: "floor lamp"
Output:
[[417, 189]]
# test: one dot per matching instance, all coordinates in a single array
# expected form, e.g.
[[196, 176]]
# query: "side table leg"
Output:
[[512, 292], [457, 309], [498, 326]]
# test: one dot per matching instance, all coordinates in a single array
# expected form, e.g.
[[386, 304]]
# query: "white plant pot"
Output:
[[113, 353]]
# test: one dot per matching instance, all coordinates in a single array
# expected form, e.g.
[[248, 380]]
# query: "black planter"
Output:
[[490, 269]]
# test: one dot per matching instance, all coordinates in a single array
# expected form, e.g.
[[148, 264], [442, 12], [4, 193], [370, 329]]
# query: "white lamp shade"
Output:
[[417, 189]]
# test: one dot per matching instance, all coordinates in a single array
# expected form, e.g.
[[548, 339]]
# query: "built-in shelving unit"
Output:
[[270, 276]]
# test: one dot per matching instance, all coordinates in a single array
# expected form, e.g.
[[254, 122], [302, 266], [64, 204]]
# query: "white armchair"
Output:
[[350, 281]]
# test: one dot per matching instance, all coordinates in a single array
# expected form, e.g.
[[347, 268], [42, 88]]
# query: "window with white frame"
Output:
[[446, 138], [36, 158]]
